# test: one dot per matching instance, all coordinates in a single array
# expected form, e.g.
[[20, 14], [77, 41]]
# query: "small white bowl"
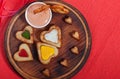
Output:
[[26, 12]]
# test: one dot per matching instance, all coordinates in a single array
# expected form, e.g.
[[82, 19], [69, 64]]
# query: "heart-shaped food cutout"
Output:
[[53, 36], [26, 35], [67, 19], [46, 72], [75, 50], [46, 52], [64, 62], [23, 54], [76, 35]]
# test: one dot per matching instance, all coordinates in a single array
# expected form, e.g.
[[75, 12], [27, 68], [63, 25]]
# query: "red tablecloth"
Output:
[[103, 17]]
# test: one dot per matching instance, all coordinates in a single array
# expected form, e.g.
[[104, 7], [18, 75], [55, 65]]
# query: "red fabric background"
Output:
[[103, 17]]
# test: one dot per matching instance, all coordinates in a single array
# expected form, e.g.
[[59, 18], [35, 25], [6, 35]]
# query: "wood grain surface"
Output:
[[32, 69]]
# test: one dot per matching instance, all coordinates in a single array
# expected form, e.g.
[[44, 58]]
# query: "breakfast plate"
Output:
[[56, 50]]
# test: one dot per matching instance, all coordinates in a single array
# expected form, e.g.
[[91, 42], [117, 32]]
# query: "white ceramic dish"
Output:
[[33, 25]]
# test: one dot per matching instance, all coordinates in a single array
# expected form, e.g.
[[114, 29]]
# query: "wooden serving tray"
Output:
[[32, 69]]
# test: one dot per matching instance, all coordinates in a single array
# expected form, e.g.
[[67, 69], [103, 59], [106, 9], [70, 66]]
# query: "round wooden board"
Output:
[[32, 69]]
